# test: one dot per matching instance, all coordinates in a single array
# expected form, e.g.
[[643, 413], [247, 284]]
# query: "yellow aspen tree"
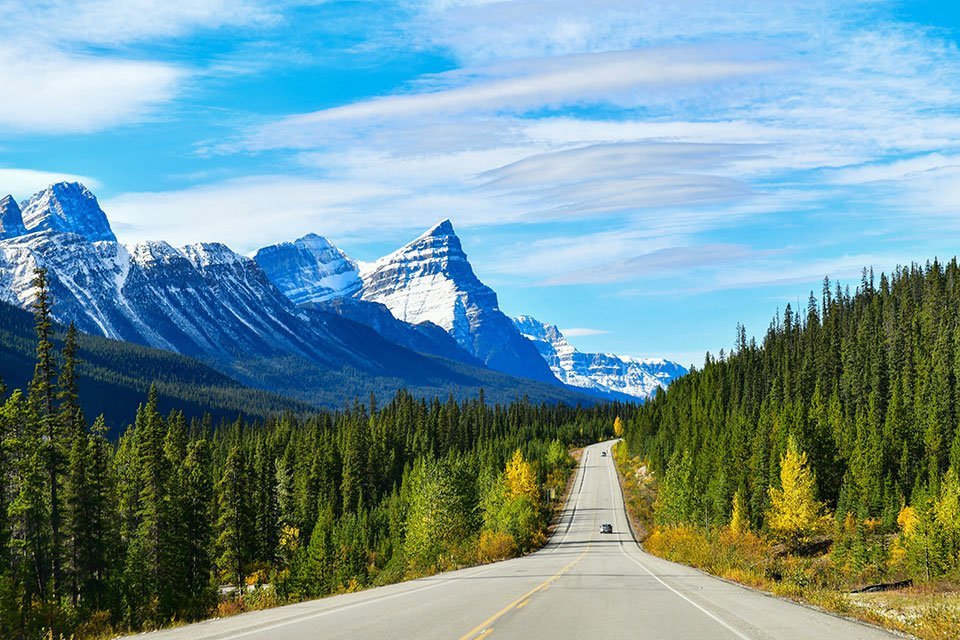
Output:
[[738, 520], [795, 514], [618, 427], [520, 479]]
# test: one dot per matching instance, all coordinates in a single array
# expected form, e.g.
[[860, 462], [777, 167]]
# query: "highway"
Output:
[[583, 584]]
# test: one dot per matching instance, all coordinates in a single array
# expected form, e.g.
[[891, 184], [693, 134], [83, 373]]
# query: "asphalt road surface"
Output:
[[583, 584]]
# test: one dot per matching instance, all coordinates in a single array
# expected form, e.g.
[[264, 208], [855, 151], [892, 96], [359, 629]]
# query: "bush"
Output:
[[496, 545]]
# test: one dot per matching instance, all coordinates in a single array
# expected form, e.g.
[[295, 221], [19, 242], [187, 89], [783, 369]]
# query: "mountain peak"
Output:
[[67, 207], [309, 269], [11, 219], [442, 229]]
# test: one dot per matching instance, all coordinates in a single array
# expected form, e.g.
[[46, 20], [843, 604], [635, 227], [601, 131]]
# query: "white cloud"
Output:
[[248, 213], [118, 22], [66, 66], [48, 91], [22, 183], [576, 332], [623, 78]]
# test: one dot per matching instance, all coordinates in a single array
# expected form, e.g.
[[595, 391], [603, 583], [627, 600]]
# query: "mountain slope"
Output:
[[114, 377], [425, 337], [430, 280], [601, 372], [207, 302], [310, 269]]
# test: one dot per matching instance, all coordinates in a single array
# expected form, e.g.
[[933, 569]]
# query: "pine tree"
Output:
[[233, 541], [198, 519], [42, 394]]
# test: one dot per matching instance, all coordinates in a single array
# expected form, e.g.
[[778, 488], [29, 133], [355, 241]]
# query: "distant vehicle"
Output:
[[606, 527], [603, 454]]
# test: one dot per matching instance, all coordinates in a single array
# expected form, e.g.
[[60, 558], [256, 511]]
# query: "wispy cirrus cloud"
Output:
[[577, 332]]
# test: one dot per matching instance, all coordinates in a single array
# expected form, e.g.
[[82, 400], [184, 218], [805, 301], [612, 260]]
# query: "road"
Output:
[[583, 584]]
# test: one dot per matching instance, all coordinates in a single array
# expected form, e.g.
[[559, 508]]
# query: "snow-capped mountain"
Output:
[[206, 301], [424, 337], [11, 219], [67, 207], [200, 300], [310, 269], [430, 280], [602, 372]]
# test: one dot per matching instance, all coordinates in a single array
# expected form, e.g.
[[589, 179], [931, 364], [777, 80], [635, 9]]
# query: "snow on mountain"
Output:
[[430, 280], [310, 269], [204, 300], [11, 220], [601, 372], [67, 207]]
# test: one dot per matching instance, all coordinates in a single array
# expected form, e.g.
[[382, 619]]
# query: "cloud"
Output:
[[118, 22], [47, 91], [576, 332], [616, 77], [22, 183], [659, 262], [247, 213], [81, 75]]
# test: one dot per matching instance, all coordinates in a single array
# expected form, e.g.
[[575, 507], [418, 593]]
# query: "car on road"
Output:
[[606, 527], [603, 454]]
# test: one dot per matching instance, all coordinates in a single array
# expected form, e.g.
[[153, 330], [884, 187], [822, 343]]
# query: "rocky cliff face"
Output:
[[67, 207], [431, 280], [310, 269]]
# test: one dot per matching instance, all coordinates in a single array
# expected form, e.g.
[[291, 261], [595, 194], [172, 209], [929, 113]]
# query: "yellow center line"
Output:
[[523, 604], [484, 634], [484, 626]]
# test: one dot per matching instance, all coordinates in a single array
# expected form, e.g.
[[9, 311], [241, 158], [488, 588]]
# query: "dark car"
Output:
[[606, 527]]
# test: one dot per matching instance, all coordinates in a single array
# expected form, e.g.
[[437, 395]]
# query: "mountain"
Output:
[[425, 337], [200, 300], [207, 302], [67, 207], [430, 280], [114, 377], [602, 372], [11, 218], [310, 269]]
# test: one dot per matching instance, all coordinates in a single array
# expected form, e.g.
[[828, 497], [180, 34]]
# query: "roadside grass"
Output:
[[929, 611]]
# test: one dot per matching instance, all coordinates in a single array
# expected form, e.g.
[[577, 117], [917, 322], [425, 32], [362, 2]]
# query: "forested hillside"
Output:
[[114, 376], [183, 519], [849, 407]]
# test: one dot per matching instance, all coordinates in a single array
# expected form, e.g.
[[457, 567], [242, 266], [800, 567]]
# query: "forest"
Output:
[[838, 433], [105, 529]]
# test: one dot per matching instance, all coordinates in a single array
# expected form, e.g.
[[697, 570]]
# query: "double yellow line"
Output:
[[483, 629]]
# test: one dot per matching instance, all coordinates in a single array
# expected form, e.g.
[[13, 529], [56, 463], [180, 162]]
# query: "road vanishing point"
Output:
[[582, 584]]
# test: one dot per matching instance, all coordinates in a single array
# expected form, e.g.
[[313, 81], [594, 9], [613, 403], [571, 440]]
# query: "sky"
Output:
[[645, 175]]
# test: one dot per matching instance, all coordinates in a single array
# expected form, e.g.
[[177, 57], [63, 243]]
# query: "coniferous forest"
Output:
[[840, 431], [105, 529]]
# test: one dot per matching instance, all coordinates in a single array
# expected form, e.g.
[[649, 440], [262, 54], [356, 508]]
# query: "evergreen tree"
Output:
[[234, 525]]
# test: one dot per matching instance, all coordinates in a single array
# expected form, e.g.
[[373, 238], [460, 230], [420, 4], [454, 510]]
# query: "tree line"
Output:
[[850, 407], [180, 519]]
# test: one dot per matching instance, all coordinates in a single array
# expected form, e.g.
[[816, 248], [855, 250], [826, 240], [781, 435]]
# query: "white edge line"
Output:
[[657, 578]]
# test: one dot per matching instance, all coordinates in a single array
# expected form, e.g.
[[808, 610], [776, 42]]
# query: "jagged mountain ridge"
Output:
[[426, 283], [310, 269], [602, 372], [431, 280], [206, 301]]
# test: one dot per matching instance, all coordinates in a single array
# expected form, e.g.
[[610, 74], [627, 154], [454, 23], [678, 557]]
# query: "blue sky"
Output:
[[644, 174]]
